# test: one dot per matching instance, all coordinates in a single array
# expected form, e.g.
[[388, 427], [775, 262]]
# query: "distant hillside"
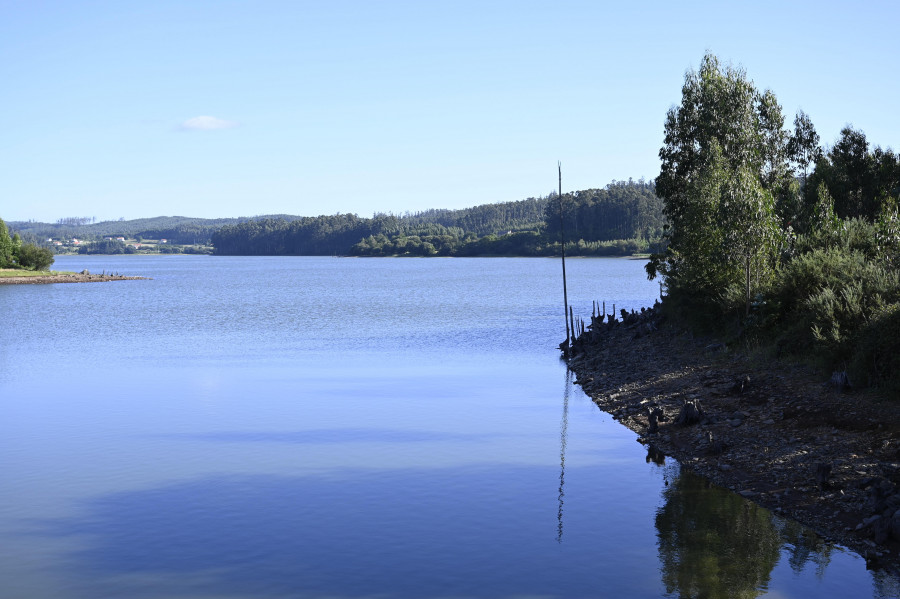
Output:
[[177, 229], [621, 218]]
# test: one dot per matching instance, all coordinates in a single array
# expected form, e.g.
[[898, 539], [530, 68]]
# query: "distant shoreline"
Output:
[[55, 277]]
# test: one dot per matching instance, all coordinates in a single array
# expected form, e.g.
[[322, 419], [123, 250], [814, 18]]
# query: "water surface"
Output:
[[326, 427]]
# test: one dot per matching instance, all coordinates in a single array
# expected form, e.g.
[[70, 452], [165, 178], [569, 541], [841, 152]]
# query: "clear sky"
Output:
[[238, 108]]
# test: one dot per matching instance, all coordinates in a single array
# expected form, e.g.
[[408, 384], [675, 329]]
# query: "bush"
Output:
[[850, 235], [34, 257], [826, 297], [876, 357]]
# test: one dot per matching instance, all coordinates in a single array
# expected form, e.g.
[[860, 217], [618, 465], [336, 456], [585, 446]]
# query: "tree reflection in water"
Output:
[[713, 543], [804, 546]]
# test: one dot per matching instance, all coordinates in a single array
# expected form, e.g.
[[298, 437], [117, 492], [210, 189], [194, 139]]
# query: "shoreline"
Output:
[[83, 277], [773, 432]]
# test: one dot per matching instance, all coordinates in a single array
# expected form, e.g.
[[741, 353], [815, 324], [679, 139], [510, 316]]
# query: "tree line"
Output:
[[771, 234], [14, 253], [177, 229], [623, 218]]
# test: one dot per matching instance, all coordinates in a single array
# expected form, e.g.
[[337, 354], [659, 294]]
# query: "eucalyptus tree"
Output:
[[863, 182], [803, 146], [724, 157], [6, 246]]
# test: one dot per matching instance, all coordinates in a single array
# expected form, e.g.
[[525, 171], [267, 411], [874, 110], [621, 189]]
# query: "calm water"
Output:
[[325, 427]]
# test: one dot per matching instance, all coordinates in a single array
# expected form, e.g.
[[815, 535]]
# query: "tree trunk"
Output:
[[747, 271]]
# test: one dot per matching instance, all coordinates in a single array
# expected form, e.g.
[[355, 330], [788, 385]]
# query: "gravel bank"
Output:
[[60, 278]]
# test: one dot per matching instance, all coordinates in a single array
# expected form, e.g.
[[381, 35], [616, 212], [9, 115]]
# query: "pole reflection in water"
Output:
[[563, 432]]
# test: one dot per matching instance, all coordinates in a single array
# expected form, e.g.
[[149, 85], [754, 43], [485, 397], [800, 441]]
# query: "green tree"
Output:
[[6, 246], [803, 146], [887, 232], [35, 257], [752, 233], [724, 158]]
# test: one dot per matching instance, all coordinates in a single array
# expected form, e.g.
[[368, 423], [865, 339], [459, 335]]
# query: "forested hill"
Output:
[[177, 229], [621, 218], [524, 215], [623, 210]]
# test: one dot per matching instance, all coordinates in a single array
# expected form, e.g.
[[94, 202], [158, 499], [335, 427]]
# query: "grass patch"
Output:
[[15, 272]]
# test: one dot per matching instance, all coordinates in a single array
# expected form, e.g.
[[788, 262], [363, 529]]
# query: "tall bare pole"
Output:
[[562, 237]]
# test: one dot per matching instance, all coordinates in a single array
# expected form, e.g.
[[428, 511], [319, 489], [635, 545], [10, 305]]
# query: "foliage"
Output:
[[623, 217], [34, 257], [861, 181], [14, 253], [816, 255], [481, 220], [6, 246], [622, 210], [724, 158], [613, 221], [307, 236], [104, 246], [876, 359], [827, 296], [887, 235], [849, 235]]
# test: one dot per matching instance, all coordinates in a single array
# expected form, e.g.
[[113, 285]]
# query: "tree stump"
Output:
[[840, 380], [823, 473], [656, 416], [691, 413]]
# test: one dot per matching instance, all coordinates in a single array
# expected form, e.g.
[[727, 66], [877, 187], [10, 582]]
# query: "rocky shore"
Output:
[[776, 433], [82, 277]]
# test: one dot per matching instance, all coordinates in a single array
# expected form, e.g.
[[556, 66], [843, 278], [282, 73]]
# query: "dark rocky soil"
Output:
[[776, 433]]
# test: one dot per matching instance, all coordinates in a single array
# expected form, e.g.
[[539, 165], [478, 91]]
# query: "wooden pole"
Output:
[[562, 237], [572, 323]]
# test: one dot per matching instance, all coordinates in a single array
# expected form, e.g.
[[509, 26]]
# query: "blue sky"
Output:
[[238, 108]]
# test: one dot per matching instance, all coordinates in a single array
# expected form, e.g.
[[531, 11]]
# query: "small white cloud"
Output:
[[206, 123]]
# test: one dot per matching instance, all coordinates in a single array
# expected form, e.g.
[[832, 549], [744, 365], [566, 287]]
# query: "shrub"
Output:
[[850, 235], [826, 297], [876, 357], [34, 257]]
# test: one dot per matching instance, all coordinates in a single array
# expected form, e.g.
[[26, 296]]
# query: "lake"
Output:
[[342, 428]]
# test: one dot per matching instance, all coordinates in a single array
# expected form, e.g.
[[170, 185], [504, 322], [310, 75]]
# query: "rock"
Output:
[[85, 272], [715, 446], [881, 529], [867, 522], [740, 385], [895, 526], [879, 493], [823, 473]]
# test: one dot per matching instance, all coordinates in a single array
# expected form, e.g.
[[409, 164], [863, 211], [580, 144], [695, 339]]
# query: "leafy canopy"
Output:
[[724, 159]]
